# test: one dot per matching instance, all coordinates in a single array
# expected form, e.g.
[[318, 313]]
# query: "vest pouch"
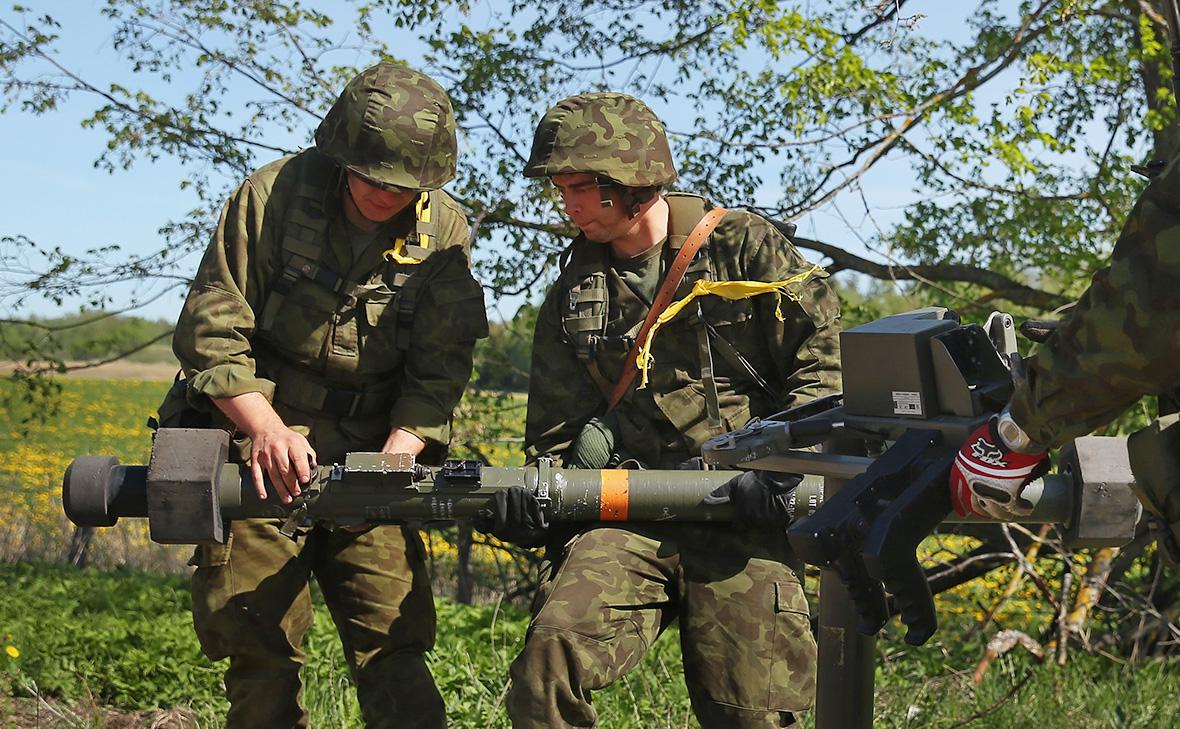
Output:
[[584, 319], [306, 323], [379, 306], [379, 336], [176, 411]]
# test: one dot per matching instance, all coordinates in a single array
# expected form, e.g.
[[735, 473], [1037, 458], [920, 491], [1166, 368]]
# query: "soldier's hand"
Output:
[[759, 498], [514, 515], [989, 477], [286, 457]]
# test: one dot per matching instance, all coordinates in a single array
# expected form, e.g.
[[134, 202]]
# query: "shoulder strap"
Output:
[[302, 248], [664, 297]]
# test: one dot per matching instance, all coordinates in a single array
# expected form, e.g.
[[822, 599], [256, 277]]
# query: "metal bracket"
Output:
[[459, 472]]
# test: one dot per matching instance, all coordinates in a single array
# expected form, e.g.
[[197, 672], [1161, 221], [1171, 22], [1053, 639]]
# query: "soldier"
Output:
[[334, 311], [1117, 344], [749, 656]]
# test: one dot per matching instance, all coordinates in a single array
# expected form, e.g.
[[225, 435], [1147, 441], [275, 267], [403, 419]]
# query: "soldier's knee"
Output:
[[547, 654], [548, 687]]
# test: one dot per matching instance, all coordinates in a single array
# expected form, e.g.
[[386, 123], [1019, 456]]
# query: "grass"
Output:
[[123, 639]]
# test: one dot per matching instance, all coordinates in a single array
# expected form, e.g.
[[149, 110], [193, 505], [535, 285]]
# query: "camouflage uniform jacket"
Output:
[[1122, 341], [374, 343], [665, 422]]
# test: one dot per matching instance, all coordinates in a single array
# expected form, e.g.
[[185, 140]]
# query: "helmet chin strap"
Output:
[[633, 197], [605, 185]]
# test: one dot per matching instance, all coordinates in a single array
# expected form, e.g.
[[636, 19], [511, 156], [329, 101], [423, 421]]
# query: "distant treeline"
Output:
[[501, 361], [85, 337]]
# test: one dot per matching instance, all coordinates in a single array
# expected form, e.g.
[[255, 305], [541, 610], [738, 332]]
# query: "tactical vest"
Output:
[[315, 321], [584, 318]]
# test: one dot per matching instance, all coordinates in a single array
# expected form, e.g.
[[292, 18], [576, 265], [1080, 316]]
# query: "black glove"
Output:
[[759, 498], [513, 515]]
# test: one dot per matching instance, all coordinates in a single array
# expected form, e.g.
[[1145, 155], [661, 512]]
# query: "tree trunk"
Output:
[[463, 566], [1166, 140]]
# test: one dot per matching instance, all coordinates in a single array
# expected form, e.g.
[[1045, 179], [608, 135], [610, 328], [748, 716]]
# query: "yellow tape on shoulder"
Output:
[[731, 290]]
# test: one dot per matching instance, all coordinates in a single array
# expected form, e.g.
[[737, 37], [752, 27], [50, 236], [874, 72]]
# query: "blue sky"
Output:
[[53, 194]]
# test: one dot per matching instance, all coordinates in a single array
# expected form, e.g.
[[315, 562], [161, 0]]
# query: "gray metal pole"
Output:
[[844, 680]]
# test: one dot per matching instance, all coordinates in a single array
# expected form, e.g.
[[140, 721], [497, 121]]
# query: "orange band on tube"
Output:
[[616, 487]]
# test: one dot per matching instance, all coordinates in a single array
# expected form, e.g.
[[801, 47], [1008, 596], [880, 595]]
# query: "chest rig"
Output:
[[305, 257], [586, 315]]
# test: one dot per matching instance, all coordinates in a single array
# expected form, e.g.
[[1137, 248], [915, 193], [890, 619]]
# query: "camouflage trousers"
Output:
[[749, 656], [1155, 460], [252, 604]]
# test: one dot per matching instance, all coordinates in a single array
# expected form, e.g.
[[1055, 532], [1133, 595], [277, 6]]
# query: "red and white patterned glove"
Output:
[[988, 476]]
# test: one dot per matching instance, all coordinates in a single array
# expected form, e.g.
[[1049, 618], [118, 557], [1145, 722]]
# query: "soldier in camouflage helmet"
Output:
[[1116, 345], [394, 127], [749, 656], [612, 136], [334, 311]]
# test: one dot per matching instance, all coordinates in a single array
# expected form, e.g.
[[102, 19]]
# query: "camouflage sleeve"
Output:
[[806, 338], [212, 338], [562, 397], [1121, 341], [448, 320]]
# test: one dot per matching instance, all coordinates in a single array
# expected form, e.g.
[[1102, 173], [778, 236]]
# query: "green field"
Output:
[[112, 645]]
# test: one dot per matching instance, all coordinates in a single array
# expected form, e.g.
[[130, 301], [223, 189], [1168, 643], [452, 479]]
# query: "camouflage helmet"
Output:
[[606, 134], [394, 127]]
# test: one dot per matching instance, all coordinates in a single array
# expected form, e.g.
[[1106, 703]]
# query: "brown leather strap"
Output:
[[664, 297]]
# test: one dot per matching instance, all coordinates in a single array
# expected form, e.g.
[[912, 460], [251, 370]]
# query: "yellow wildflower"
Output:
[[12, 651]]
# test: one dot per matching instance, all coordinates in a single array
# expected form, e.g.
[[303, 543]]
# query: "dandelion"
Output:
[[12, 651]]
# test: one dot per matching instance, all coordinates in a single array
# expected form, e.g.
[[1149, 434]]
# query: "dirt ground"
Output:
[[42, 713], [117, 371]]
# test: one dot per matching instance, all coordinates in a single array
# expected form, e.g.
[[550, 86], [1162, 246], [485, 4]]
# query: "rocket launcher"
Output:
[[916, 385], [189, 492]]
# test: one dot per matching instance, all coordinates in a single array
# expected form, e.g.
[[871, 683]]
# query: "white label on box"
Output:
[[907, 403]]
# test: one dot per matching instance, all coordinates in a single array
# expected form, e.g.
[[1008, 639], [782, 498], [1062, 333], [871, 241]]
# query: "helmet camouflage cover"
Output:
[[610, 135], [392, 126]]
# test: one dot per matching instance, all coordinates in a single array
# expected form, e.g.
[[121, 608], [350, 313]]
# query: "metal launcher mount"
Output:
[[915, 386]]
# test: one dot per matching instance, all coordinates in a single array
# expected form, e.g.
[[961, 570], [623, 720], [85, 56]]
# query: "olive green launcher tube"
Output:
[[376, 488]]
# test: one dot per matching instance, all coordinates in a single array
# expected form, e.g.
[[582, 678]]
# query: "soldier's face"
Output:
[[375, 204], [582, 201]]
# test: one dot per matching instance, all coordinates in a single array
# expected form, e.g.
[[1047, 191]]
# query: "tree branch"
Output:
[[1003, 286], [883, 16], [970, 80], [183, 133]]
